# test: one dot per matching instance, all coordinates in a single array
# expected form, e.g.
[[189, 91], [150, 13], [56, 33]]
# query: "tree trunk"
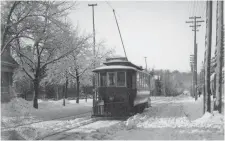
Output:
[[57, 93], [36, 92], [64, 95], [25, 95], [66, 87], [85, 94], [78, 85], [219, 59]]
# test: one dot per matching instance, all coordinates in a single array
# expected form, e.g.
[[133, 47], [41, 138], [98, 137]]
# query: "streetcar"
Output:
[[122, 88]]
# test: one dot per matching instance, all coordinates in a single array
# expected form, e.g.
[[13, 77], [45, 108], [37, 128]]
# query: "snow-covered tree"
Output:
[[44, 41], [77, 66]]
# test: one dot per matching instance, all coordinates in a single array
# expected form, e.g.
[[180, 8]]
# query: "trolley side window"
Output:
[[111, 79], [121, 79], [102, 79], [138, 80], [134, 85]]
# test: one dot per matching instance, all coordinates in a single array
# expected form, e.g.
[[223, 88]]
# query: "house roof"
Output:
[[6, 59]]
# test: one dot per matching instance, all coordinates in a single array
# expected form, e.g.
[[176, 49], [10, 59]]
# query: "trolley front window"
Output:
[[102, 79], [111, 79], [121, 79]]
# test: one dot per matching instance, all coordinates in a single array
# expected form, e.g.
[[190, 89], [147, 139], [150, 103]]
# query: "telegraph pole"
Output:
[[93, 15], [208, 54], [192, 72], [219, 55], [203, 85], [195, 22], [93, 80]]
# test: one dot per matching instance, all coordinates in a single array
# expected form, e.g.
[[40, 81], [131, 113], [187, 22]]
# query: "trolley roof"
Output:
[[119, 63], [114, 67]]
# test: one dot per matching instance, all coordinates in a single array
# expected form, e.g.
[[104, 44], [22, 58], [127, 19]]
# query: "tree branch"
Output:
[[8, 21], [16, 36], [72, 75]]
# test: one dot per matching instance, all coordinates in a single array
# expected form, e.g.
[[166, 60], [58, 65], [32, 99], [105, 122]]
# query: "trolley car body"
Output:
[[122, 88]]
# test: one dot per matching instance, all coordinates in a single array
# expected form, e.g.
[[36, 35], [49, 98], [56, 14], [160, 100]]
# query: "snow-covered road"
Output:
[[19, 120], [169, 118]]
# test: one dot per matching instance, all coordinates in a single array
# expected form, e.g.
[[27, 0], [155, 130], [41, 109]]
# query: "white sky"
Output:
[[152, 29]]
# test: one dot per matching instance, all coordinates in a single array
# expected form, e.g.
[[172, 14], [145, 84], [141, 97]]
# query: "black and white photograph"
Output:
[[112, 70]]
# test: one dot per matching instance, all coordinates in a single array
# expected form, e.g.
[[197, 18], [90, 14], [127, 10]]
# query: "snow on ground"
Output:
[[170, 118], [40, 130], [178, 118], [19, 112], [91, 131]]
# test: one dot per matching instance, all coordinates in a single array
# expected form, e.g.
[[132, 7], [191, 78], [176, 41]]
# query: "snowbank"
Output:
[[20, 107], [16, 112], [143, 121], [176, 115], [16, 107], [210, 120]]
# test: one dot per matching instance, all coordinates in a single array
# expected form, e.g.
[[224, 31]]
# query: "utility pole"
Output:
[[195, 22], [208, 54], [146, 64], [219, 55], [203, 85], [93, 80], [192, 71]]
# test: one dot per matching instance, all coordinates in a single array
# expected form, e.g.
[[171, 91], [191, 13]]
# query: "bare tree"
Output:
[[46, 35], [83, 64], [14, 16]]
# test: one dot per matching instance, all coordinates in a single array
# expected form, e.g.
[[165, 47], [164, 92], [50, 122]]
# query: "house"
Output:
[[8, 65]]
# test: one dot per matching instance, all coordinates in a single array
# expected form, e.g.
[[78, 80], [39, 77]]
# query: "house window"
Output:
[[111, 79], [121, 79], [102, 79]]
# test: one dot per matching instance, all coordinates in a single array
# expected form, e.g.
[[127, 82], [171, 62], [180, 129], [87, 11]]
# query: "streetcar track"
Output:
[[62, 118], [92, 120]]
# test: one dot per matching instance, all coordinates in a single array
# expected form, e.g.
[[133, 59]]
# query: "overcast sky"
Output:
[[152, 29]]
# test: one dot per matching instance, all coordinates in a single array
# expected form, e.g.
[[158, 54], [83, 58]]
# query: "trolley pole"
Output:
[[194, 21], [93, 80]]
